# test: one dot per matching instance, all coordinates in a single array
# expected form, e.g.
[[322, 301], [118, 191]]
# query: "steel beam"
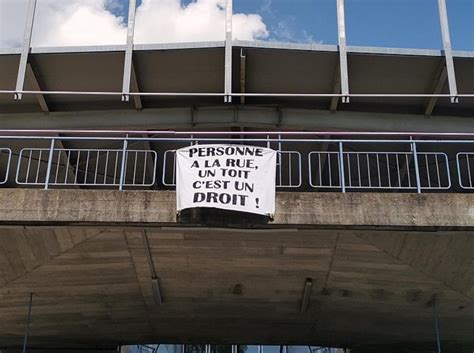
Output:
[[228, 52], [127, 68], [20, 81], [30, 73], [266, 117], [336, 89], [437, 87], [341, 31], [135, 88], [448, 51]]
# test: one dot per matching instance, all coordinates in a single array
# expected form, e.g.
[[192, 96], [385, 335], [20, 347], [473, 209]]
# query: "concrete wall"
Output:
[[32, 206]]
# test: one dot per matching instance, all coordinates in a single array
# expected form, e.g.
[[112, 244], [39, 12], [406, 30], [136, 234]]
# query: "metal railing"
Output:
[[85, 167], [304, 162], [465, 166], [379, 170], [5, 161]]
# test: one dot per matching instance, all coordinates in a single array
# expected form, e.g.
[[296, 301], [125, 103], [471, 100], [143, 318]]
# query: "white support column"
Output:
[[127, 69], [448, 52], [228, 52], [341, 31], [30, 17]]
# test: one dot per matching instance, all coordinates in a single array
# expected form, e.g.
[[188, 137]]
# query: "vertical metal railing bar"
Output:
[[469, 171], [398, 172], [96, 167], [417, 170], [279, 156], [50, 162], [68, 163], [349, 169], [38, 166], [408, 171], [329, 170], [427, 167], [58, 164], [368, 170], [123, 168], [29, 166], [341, 168], [174, 166], [437, 170], [135, 168], [86, 172], [145, 168], [116, 166], [77, 166], [389, 174], [358, 170], [289, 168], [106, 169], [448, 171], [378, 171], [320, 169]]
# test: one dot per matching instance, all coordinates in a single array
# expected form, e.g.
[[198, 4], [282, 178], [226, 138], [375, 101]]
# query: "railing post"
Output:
[[341, 167], [417, 169], [50, 162], [124, 162]]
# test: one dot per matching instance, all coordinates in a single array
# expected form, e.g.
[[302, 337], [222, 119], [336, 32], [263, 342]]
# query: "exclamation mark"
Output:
[[256, 200]]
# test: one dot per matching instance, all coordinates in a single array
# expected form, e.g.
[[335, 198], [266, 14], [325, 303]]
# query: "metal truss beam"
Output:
[[135, 88], [448, 51], [336, 89], [20, 81], [228, 52], [437, 86], [30, 74], [341, 31], [127, 68]]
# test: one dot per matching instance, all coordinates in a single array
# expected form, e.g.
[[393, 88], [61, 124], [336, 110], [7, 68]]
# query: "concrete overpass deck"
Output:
[[377, 263]]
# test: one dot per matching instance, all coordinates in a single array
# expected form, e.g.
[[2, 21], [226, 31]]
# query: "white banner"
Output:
[[230, 177]]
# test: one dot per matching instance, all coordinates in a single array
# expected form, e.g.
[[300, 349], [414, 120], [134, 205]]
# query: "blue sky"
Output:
[[391, 23]]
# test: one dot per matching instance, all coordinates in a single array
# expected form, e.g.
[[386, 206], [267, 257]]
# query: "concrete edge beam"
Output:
[[293, 209]]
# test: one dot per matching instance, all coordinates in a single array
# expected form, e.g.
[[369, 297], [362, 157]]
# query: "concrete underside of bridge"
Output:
[[377, 263]]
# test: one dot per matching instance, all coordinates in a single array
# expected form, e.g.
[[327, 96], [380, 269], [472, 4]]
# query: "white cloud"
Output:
[[90, 22]]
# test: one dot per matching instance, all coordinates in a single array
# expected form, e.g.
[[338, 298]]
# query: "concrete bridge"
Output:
[[373, 272], [369, 271]]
